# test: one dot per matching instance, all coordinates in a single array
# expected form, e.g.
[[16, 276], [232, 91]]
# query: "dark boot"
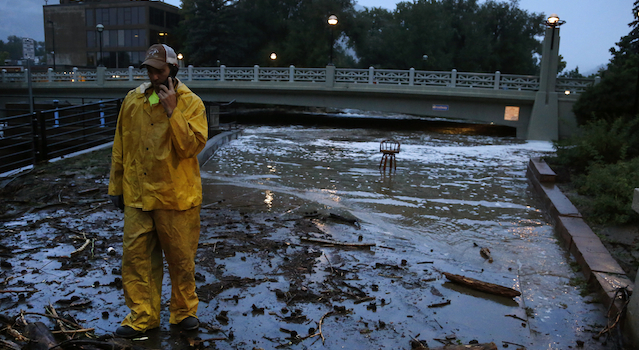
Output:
[[127, 332], [190, 323]]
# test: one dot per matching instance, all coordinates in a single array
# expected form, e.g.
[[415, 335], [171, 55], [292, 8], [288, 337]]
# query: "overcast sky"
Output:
[[592, 26]]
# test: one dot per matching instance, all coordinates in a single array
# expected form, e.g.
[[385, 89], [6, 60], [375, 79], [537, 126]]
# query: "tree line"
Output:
[[435, 35], [602, 160], [424, 34]]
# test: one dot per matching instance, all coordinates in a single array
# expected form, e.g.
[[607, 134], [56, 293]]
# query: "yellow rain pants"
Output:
[[146, 235]]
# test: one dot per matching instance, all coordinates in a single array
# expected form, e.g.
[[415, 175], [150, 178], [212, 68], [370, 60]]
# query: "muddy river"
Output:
[[265, 276], [449, 197]]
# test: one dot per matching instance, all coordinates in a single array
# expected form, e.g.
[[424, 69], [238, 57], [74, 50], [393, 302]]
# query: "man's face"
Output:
[[158, 76]]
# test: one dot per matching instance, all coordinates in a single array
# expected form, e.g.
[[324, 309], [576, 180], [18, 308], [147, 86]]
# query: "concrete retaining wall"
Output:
[[600, 269], [215, 142]]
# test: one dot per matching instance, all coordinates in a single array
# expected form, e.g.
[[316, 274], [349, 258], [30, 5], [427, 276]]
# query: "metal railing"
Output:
[[37, 137], [292, 74], [31, 138]]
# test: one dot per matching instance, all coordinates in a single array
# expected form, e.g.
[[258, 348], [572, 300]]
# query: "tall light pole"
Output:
[[180, 58], [53, 42], [553, 22], [100, 29], [332, 21]]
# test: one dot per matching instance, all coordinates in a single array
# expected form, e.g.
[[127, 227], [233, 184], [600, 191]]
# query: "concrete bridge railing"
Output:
[[328, 76]]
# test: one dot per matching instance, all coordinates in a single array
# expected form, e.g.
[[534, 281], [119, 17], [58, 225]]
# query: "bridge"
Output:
[[538, 107]]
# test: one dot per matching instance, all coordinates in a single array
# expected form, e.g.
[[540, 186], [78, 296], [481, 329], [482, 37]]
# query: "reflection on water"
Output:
[[445, 185], [450, 195]]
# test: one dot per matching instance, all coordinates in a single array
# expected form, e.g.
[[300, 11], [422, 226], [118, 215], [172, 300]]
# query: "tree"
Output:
[[572, 74], [457, 34], [207, 29], [13, 47], [618, 92]]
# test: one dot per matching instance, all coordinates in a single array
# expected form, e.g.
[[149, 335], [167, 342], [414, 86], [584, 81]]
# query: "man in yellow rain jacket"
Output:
[[155, 179]]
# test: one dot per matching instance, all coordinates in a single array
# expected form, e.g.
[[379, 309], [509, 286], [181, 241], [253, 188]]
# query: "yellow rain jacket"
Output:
[[154, 162]]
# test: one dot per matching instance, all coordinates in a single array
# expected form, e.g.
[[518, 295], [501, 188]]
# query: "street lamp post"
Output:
[[332, 21], [553, 22], [180, 58], [273, 57], [53, 42], [100, 29]]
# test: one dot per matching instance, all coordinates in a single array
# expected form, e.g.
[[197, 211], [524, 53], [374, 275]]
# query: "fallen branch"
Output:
[[73, 331], [15, 334], [447, 302], [89, 190], [319, 327], [70, 323], [487, 346], [363, 300], [17, 291], [517, 317], [345, 244], [63, 328], [483, 286], [84, 246]]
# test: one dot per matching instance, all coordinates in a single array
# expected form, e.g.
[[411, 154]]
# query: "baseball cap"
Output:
[[158, 55]]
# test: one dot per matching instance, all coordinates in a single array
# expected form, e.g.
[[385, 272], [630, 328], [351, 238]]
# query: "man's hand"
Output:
[[168, 98], [118, 201]]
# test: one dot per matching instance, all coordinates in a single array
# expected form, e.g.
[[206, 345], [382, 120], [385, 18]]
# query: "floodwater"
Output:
[[450, 196]]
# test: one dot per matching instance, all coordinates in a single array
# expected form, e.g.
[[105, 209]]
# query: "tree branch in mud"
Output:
[[319, 327], [83, 247], [482, 286], [73, 324], [50, 309], [345, 244]]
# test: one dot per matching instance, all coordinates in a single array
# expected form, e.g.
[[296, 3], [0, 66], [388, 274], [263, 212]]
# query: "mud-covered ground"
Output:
[[60, 249]]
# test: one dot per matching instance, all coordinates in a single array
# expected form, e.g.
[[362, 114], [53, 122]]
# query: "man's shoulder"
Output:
[[138, 91], [185, 92]]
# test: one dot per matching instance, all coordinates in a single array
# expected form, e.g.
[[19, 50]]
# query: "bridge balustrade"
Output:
[[521, 82], [411, 77], [310, 75], [433, 78], [573, 84]]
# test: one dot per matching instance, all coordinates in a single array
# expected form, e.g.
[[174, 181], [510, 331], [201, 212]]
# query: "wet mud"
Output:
[[290, 273]]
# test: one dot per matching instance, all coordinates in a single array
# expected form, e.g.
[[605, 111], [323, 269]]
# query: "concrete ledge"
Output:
[[592, 255], [541, 170], [635, 200], [600, 269], [557, 203], [215, 142], [567, 227]]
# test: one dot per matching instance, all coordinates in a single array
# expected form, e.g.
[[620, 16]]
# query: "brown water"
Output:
[[450, 196]]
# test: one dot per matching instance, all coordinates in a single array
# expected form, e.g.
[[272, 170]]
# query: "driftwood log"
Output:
[[482, 286], [344, 244]]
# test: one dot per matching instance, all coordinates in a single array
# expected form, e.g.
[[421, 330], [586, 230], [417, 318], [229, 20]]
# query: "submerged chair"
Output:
[[389, 149]]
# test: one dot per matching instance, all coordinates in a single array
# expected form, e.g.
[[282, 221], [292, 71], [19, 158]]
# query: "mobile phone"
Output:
[[172, 75]]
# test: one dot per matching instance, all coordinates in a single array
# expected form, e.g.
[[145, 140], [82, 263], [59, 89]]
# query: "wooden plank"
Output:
[[482, 286]]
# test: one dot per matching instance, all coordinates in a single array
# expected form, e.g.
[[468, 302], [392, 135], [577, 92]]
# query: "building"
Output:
[[129, 27]]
